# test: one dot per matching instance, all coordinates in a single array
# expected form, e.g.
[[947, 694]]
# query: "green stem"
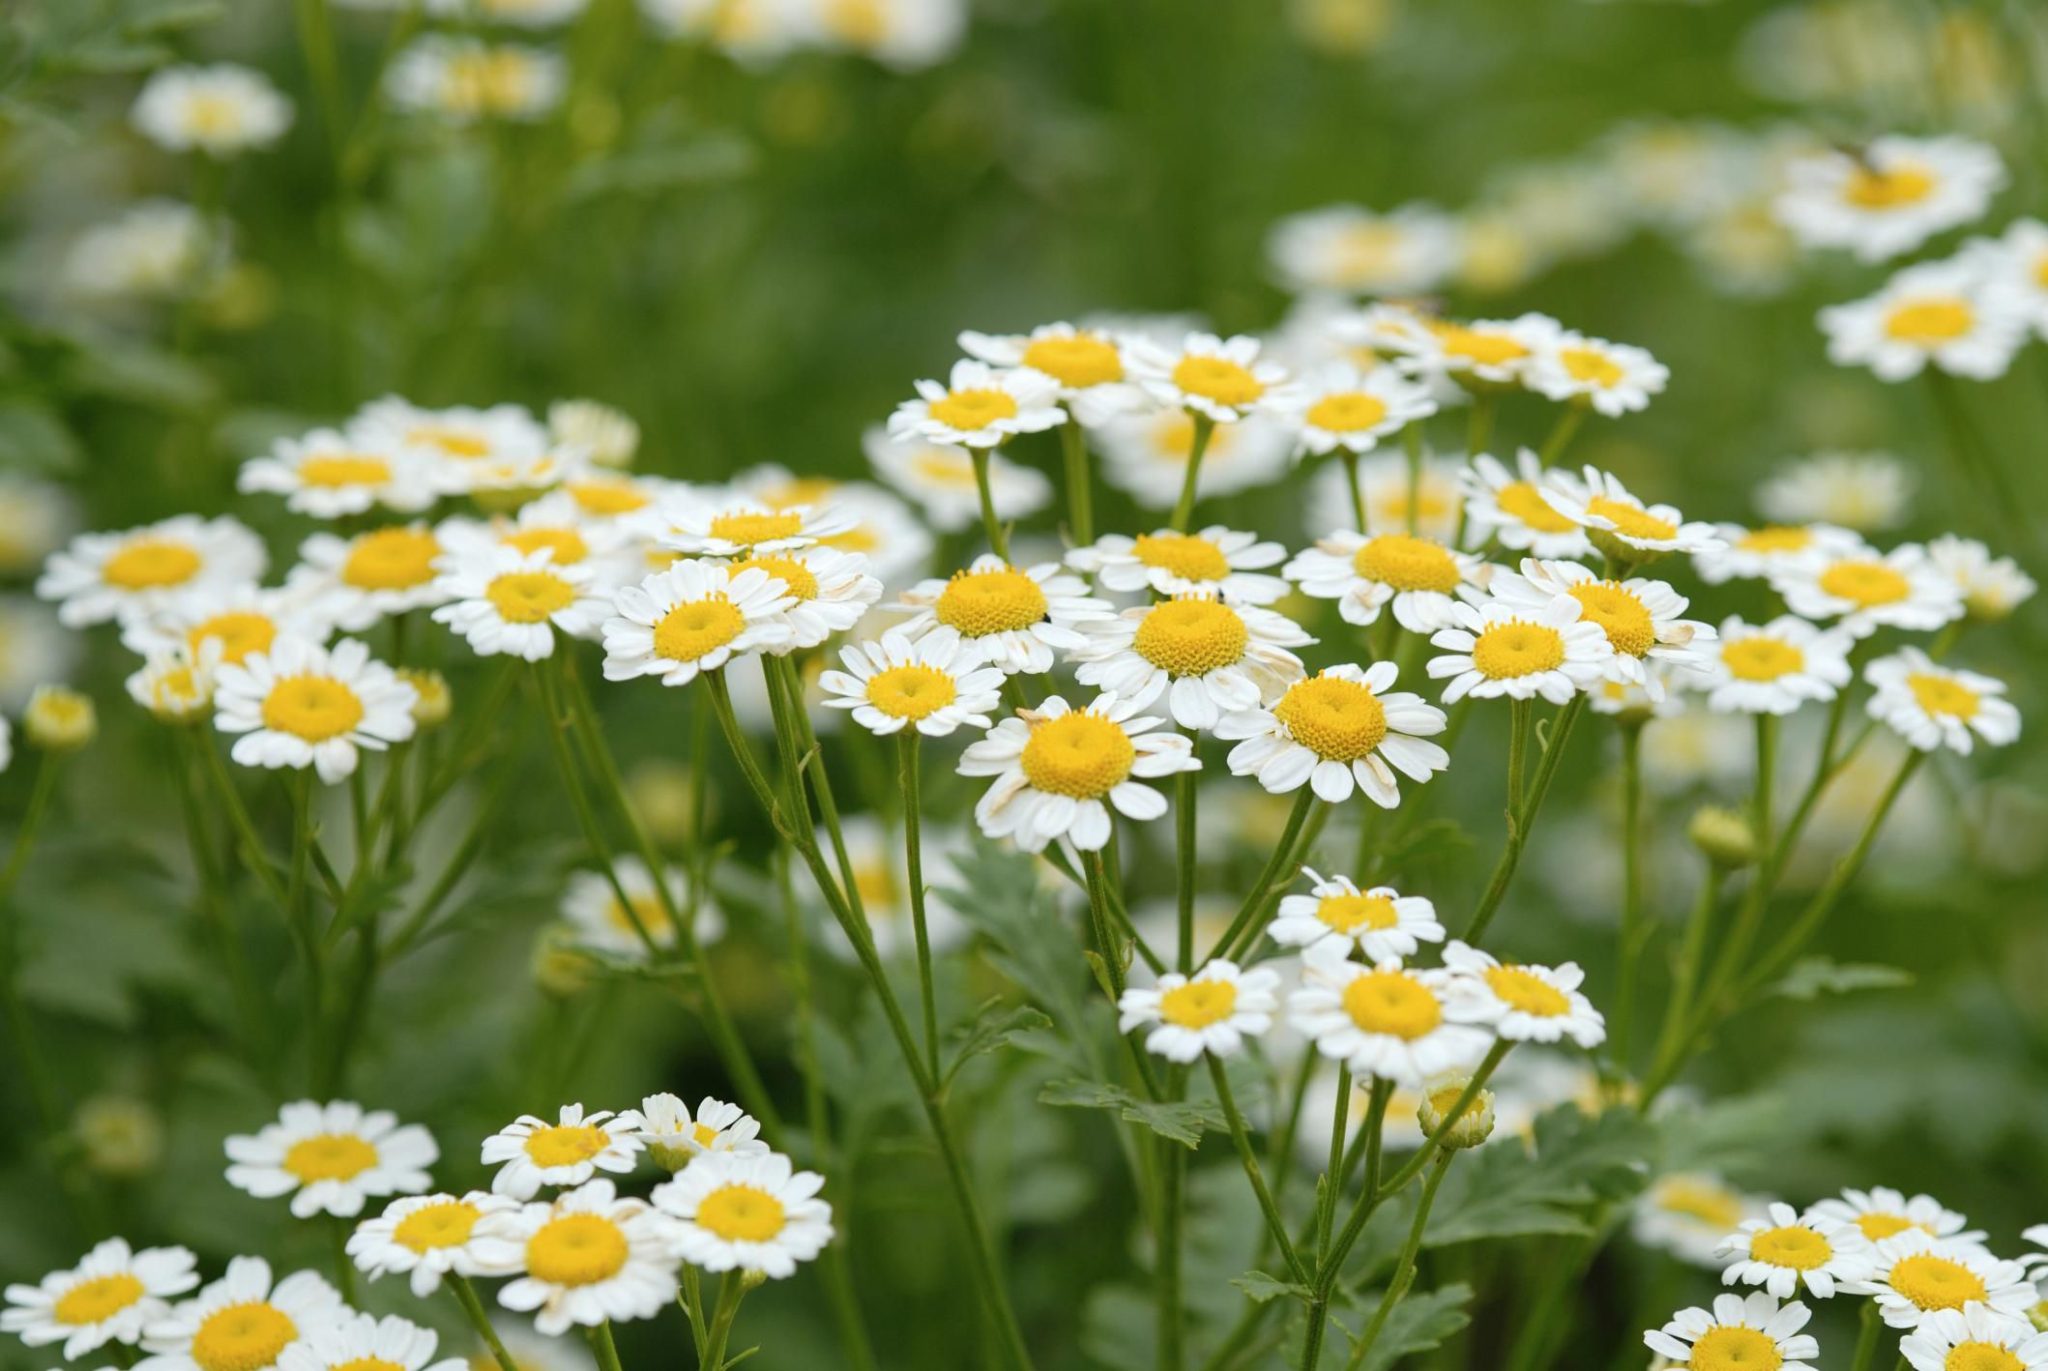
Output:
[[1173, 1160], [1562, 431], [1523, 819], [1404, 1266], [1350, 460], [1487, 1066], [1080, 492], [607, 1348], [1276, 1226], [1184, 850], [731, 1290], [1480, 431], [42, 1085], [473, 1309], [1633, 929], [1333, 1169], [1278, 874], [253, 852], [998, 536], [1868, 1327], [913, 854], [1685, 973], [1184, 508]]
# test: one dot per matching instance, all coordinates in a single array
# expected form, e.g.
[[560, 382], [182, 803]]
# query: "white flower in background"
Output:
[[530, 1152], [177, 687], [1688, 1213], [1974, 1336], [1601, 504], [1935, 314], [591, 907], [1913, 1276], [154, 249], [1933, 706], [326, 475], [734, 527], [608, 436], [34, 649], [302, 705], [979, 406], [459, 438], [1222, 379], [555, 523], [531, 14], [1014, 617], [1380, 922], [939, 479], [1865, 590], [903, 34], [1773, 668], [829, 591], [1058, 770], [674, 1133], [243, 1320], [102, 576], [1366, 573], [220, 110], [879, 525], [1890, 196], [1354, 251], [1614, 378], [1881, 1212], [1207, 658], [232, 621], [1209, 1013], [694, 617], [1216, 560], [1784, 1250], [504, 601], [1992, 587], [1742, 1331], [1523, 1002], [465, 79], [1697, 747], [754, 1213], [1085, 365], [750, 32], [363, 1340], [1387, 1021], [109, 1297], [426, 1237], [1146, 455], [355, 582], [1639, 616], [35, 517], [881, 873], [331, 1157], [1508, 506], [1864, 491], [1376, 333], [1751, 553], [1336, 730], [1484, 351], [1497, 648], [1431, 505], [1340, 406], [589, 1257], [1656, 697], [2016, 266], [934, 683]]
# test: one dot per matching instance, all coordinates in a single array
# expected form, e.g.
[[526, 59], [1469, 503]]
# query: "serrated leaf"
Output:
[[995, 1025], [1420, 1323], [1260, 1287], [1812, 977], [1181, 1120]]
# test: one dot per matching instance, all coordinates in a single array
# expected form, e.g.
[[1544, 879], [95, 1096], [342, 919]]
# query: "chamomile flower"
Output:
[[1085, 365], [693, 617], [1209, 1013], [326, 475], [530, 1152], [979, 406], [1146, 455], [1058, 770], [358, 581], [752, 1213], [1933, 706], [1773, 668], [1222, 379], [1380, 922], [1740, 1330], [1355, 251], [1620, 524], [1865, 590], [1863, 491], [461, 441], [591, 1256], [940, 479], [1936, 314], [1336, 730], [234, 620], [330, 1157], [242, 1322], [554, 523], [464, 79], [176, 687], [363, 1340], [1639, 616], [1912, 1276], [1752, 553], [1688, 1213], [508, 602], [592, 908], [1496, 352], [1992, 587], [1524, 1002], [879, 526], [427, 1237], [1419, 578], [1975, 1336], [934, 683], [1496, 648], [1014, 617], [2016, 265], [608, 436], [35, 517], [1340, 406], [744, 528], [1395, 1023], [1890, 196], [1206, 657], [1217, 560], [1784, 1250], [1881, 1212], [675, 1134], [1509, 507], [157, 249], [1613, 378], [301, 705], [829, 591], [102, 576], [220, 110], [110, 1296]]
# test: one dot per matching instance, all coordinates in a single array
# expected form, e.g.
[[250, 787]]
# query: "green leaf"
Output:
[[1508, 1190], [1728, 1135], [1260, 1287], [1183, 1121], [999, 893], [994, 1025], [1419, 1323], [1812, 977]]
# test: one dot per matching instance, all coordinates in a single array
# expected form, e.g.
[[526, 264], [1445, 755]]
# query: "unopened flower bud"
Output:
[[432, 707], [1726, 837], [1473, 1127], [59, 719]]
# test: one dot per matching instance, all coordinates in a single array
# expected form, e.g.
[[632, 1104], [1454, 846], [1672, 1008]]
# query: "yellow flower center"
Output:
[[648, 909], [968, 410], [391, 559], [1000, 600], [1943, 695], [1407, 563], [1867, 584], [151, 564], [877, 886], [1198, 1004], [1347, 411], [1630, 520], [1078, 362], [529, 597], [1869, 188], [1620, 613], [945, 467], [565, 1144], [697, 628], [1338, 720], [1519, 988], [796, 578], [329, 1157], [1931, 321], [1083, 756], [741, 1213], [1761, 659], [456, 442], [446, 1224], [703, 1134], [1712, 1205], [1479, 347], [368, 1364], [911, 692], [1349, 913], [1981, 1356], [1393, 1003], [1932, 1282], [749, 530], [1218, 379], [1397, 507], [314, 708], [608, 498], [565, 545], [1365, 251], [1591, 364], [1792, 1246], [1735, 1349], [576, 1249], [1191, 636], [212, 115], [1526, 503], [857, 23], [1516, 647], [1183, 554], [1776, 538], [99, 1298], [351, 469], [239, 633], [1878, 1227], [243, 1337]]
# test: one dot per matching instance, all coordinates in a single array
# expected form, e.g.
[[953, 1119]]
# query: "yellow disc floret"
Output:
[[1078, 362], [151, 564], [1522, 500], [1198, 1004], [239, 632], [749, 529], [1930, 321], [314, 708], [565, 545], [1349, 913], [697, 628], [1337, 719], [1183, 555], [797, 579], [911, 692], [576, 1249], [972, 409], [1866, 584], [102, 1297], [1592, 366], [344, 469], [999, 600], [329, 1157], [1943, 695], [1407, 563], [1762, 659], [1981, 1356], [391, 559], [1519, 988], [1516, 647], [565, 1144], [1933, 1282], [1891, 188], [1620, 612], [1191, 636], [1792, 1246], [1735, 1349], [447, 1223], [1631, 521], [243, 1337], [1346, 411], [1393, 1003], [741, 1213], [1083, 756], [529, 597], [1217, 379]]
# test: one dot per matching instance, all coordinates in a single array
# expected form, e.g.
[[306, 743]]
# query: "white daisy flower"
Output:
[[1784, 1250], [608, 436], [1206, 657], [1410, 250], [829, 591], [1639, 616], [1222, 379], [302, 705], [426, 1237], [1058, 770], [1014, 617], [463, 79], [1614, 378], [1992, 587], [1485, 351], [744, 528], [358, 581], [694, 617], [331, 1157], [1933, 706], [675, 1134], [1340, 406], [1863, 491], [241, 1322], [2016, 265], [327, 475], [110, 1296], [880, 527], [1508, 506], [1211, 1012], [1913, 1276], [234, 621], [1380, 922], [934, 683], [530, 1152], [591, 908], [1335, 730], [940, 480], [979, 406], [590, 1256], [1618, 522], [1865, 590], [1935, 314], [176, 687], [881, 873], [1773, 668], [220, 110], [507, 602], [1881, 1212], [1972, 1337], [753, 1213], [1146, 455], [556, 524], [1523, 1002], [458, 438], [1741, 1330], [156, 249], [1085, 365], [1618, 698], [1753, 553], [363, 1341], [1890, 196], [1365, 573], [1386, 1021], [1688, 1213], [102, 576], [1500, 649], [1216, 560]]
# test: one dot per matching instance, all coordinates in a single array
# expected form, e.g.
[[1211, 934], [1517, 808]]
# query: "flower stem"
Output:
[[1184, 508], [473, 1308], [1080, 493], [607, 1348], [1173, 1161], [1868, 1326], [1279, 871], [1522, 818], [1404, 1266], [1350, 460], [1561, 433], [1276, 1226], [998, 536], [731, 1290], [1184, 845], [913, 856], [1633, 929]]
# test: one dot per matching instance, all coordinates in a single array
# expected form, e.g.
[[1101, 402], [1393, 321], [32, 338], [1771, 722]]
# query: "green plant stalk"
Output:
[[1184, 789], [1350, 460], [1101, 920], [1173, 1161], [1487, 1066], [1278, 866], [1404, 1266], [1868, 1325], [1333, 1168], [213, 907], [913, 856], [606, 1348], [253, 852], [1276, 1226], [1562, 432], [1523, 819], [998, 536], [473, 1310], [1184, 507], [1634, 929], [42, 1086], [1685, 972], [1749, 918], [1479, 432], [731, 1290], [1080, 489], [299, 912]]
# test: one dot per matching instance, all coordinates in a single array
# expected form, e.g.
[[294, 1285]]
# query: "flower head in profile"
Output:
[[1992, 587], [1013, 617], [331, 1157], [1936, 314], [1618, 523], [1497, 648], [1510, 507], [228, 623], [1523, 1002], [1751, 553], [1639, 616], [979, 406], [1085, 365], [1216, 560], [675, 1134], [1336, 731], [1418, 578], [326, 475], [694, 617], [591, 906], [746, 1212], [361, 1340], [1204, 657], [1688, 1213], [1484, 352], [1751, 1330], [1913, 1275], [355, 582], [1785, 1250], [1059, 770], [1380, 922], [103, 576], [1612, 378], [1396, 1023], [738, 527], [1889, 196], [301, 705], [1340, 407], [530, 1152], [1209, 1013], [243, 1320], [220, 110], [1863, 590], [175, 687], [935, 683], [590, 1256], [1881, 1212], [1775, 667], [1222, 379], [1932, 706], [828, 590], [427, 1237], [111, 1296]]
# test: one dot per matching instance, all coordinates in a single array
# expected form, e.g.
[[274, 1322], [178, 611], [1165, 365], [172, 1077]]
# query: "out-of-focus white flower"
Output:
[[1863, 491], [1890, 196], [154, 249], [221, 109], [1935, 314], [1345, 248], [465, 79]]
